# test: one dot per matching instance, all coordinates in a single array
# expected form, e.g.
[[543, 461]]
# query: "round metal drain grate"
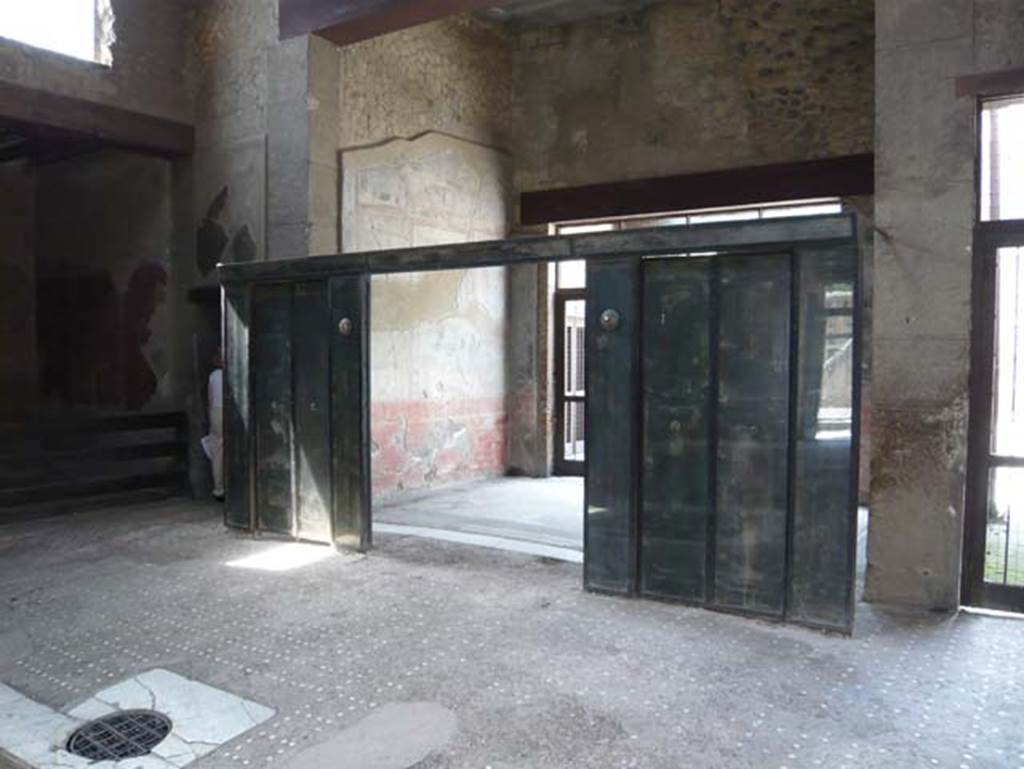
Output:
[[127, 734]]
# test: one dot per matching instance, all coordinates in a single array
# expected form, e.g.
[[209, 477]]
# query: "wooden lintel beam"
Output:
[[33, 111], [638, 243], [349, 21], [1007, 82], [830, 177]]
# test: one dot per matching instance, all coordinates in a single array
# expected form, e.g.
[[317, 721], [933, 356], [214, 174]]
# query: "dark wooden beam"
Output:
[[831, 177], [349, 21], [204, 294], [54, 117], [640, 242], [1007, 82]]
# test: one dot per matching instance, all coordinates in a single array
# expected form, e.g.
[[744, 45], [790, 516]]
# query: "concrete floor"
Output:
[[547, 511], [453, 656]]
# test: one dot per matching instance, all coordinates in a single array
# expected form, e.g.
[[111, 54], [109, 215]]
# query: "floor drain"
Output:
[[126, 734]]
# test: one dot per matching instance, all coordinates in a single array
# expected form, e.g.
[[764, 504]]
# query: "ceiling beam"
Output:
[[31, 111], [826, 178], [349, 21], [1007, 82]]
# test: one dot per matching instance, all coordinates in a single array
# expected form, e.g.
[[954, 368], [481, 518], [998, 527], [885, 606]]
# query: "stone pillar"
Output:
[[924, 209]]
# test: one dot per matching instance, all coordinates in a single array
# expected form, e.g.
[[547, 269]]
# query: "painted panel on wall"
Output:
[[438, 339]]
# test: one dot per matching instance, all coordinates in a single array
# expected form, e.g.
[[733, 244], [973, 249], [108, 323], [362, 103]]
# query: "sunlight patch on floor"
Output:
[[286, 557]]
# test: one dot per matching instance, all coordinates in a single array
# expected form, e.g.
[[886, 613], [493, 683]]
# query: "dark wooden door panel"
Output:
[[753, 415], [238, 455], [272, 407], [676, 499], [311, 320], [349, 380], [749, 433], [610, 523]]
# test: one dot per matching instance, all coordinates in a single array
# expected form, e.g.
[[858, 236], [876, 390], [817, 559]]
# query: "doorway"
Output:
[[994, 532], [993, 556], [570, 381], [442, 362]]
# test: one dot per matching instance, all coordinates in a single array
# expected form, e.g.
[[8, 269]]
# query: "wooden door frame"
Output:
[[560, 465], [989, 237]]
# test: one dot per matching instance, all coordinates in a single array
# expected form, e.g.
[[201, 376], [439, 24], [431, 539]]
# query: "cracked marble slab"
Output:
[[203, 718]]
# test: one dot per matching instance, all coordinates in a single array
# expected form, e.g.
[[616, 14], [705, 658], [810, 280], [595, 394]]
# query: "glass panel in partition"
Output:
[[821, 578]]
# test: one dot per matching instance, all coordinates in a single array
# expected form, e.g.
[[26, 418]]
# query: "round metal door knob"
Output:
[[345, 327], [609, 320]]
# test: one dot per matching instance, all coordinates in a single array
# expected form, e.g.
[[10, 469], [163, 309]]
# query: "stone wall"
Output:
[[252, 160], [451, 76], [107, 327], [437, 338], [675, 88], [924, 207], [688, 87], [17, 289], [139, 215]]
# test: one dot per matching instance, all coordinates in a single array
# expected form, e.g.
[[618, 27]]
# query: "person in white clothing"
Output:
[[213, 444]]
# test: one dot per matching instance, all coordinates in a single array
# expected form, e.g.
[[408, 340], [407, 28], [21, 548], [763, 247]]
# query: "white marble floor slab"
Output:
[[203, 718]]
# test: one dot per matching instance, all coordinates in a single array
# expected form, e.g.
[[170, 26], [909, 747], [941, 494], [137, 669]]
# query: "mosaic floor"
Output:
[[529, 671]]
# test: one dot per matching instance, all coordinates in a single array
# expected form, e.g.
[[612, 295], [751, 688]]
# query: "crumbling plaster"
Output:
[[669, 88], [689, 87], [452, 76]]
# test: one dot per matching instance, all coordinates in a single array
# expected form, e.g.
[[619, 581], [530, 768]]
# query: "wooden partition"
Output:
[[722, 409]]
